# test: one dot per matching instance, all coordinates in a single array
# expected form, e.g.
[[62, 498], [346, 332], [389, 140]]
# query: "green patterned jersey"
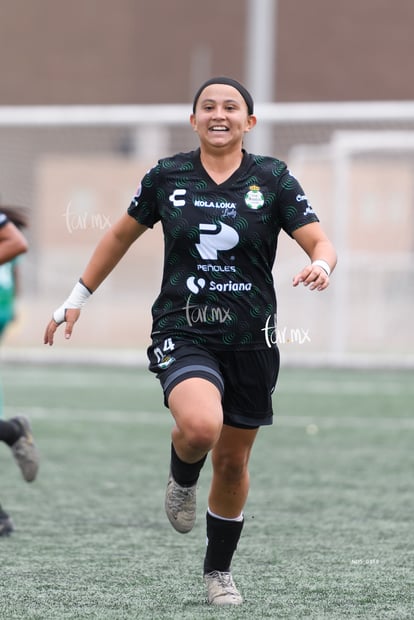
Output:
[[7, 291], [220, 246]]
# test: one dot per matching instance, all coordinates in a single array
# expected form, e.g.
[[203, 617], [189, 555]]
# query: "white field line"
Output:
[[63, 414], [346, 387], [163, 418], [90, 380], [324, 422]]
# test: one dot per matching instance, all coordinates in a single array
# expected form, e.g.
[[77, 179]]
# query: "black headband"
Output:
[[230, 82]]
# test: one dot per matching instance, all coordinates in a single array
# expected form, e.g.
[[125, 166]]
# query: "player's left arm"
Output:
[[313, 240]]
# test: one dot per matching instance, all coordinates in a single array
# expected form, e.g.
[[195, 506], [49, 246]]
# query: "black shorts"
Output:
[[245, 379]]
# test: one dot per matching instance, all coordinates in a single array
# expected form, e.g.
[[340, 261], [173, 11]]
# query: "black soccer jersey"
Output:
[[220, 245]]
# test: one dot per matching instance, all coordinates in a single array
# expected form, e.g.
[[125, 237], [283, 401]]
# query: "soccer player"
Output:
[[16, 432], [214, 327]]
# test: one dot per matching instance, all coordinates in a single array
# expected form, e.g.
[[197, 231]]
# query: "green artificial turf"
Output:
[[328, 523]]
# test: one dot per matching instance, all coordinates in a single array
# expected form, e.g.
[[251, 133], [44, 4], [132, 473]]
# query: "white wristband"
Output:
[[77, 299], [323, 264]]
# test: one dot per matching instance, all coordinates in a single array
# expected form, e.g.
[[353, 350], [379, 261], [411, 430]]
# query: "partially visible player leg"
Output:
[[227, 498], [17, 434], [195, 404], [6, 524]]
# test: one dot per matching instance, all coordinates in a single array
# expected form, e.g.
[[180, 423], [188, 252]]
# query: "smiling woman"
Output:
[[211, 348], [222, 115]]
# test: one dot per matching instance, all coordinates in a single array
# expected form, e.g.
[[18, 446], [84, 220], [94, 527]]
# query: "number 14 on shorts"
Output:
[[164, 359]]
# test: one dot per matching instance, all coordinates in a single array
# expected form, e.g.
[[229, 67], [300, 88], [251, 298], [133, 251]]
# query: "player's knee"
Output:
[[231, 467], [202, 435]]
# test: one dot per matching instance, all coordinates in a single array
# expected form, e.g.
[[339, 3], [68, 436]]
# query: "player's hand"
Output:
[[313, 276], [71, 316]]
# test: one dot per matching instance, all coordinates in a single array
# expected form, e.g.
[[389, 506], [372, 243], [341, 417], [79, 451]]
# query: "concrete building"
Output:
[[77, 179], [136, 51]]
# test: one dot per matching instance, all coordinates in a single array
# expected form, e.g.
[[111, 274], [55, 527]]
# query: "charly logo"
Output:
[[215, 237], [176, 197], [254, 198]]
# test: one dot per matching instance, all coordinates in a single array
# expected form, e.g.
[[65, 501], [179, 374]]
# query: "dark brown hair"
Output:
[[17, 215], [230, 82]]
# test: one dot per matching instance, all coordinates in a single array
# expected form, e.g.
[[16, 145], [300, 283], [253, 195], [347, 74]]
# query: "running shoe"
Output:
[[221, 589], [180, 505], [24, 449]]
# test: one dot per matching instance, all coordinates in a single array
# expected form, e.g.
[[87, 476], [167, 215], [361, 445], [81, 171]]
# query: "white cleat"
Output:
[[221, 589], [180, 505]]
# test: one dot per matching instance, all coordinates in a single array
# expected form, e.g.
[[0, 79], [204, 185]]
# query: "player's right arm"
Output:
[[109, 251]]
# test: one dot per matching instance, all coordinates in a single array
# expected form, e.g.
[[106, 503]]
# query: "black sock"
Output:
[[10, 431], [222, 539], [185, 474]]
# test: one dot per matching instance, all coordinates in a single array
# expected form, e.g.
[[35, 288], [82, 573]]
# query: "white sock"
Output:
[[213, 514]]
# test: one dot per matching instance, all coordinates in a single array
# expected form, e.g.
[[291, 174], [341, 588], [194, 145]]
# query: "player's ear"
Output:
[[251, 122], [193, 122]]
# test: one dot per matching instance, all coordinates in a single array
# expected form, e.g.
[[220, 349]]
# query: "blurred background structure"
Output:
[[93, 92]]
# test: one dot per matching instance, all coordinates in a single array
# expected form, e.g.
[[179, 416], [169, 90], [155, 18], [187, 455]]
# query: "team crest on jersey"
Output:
[[166, 361], [254, 198]]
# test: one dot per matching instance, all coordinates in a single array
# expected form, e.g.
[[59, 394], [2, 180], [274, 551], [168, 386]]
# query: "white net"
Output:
[[76, 169]]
